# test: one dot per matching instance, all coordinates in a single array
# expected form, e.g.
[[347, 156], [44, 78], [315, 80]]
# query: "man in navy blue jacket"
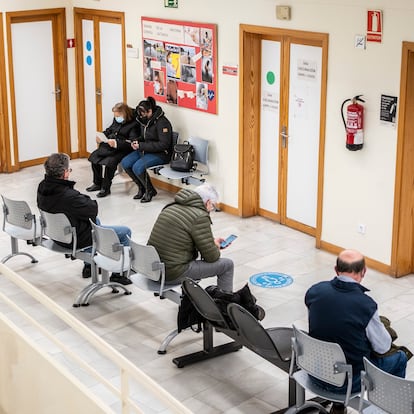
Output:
[[340, 311]]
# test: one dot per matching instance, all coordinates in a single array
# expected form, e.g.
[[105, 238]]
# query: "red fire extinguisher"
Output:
[[354, 123]]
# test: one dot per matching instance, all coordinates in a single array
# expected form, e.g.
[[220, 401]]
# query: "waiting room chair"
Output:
[[197, 176], [56, 228], [149, 274], [392, 394], [324, 361], [273, 344], [110, 256], [213, 319], [20, 224]]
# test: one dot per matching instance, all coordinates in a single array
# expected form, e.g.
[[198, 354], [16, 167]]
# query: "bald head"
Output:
[[351, 263]]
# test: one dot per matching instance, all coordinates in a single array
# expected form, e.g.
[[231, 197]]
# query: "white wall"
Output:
[[359, 186]]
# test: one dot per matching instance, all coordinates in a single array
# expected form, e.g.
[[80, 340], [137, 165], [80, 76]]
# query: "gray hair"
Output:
[[207, 192], [56, 164]]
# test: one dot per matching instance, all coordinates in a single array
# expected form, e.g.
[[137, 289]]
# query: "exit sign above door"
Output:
[[171, 3]]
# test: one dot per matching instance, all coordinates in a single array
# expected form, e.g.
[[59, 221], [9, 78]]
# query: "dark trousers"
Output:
[[105, 180]]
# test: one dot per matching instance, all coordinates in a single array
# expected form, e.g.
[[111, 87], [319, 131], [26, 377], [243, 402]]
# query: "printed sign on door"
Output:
[[374, 26]]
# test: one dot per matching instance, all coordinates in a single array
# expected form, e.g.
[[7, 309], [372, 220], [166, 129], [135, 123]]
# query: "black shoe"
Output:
[[337, 408], [94, 187], [86, 271], [139, 194], [148, 195], [123, 280], [103, 193]]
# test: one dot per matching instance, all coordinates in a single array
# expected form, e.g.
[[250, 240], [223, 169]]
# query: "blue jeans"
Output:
[[139, 162], [394, 364]]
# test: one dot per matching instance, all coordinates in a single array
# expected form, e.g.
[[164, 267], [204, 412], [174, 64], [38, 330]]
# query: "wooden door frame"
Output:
[[402, 253], [58, 18], [95, 15], [249, 117], [5, 165]]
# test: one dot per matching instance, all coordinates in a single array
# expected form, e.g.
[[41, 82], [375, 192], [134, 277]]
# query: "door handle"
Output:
[[98, 93], [57, 92], [284, 136]]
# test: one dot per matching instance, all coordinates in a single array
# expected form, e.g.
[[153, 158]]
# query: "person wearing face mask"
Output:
[[152, 147], [120, 134], [184, 240]]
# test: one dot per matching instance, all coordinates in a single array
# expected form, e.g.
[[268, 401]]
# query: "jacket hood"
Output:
[[158, 113], [189, 198]]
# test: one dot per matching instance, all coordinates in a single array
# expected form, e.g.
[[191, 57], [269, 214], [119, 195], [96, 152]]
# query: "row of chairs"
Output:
[[302, 356], [290, 349]]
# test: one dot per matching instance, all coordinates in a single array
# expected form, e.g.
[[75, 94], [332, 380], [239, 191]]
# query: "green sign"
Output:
[[171, 3]]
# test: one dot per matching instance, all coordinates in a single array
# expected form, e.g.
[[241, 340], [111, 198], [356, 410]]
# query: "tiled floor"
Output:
[[240, 382]]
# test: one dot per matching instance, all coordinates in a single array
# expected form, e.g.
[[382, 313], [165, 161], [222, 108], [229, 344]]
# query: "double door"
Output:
[[283, 131]]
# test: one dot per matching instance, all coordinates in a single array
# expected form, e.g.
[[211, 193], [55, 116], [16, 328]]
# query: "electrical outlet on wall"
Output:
[[362, 228]]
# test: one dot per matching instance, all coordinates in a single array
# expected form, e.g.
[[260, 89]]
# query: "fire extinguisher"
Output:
[[354, 123]]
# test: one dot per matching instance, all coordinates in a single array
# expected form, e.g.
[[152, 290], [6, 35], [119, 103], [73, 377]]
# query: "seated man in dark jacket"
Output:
[[182, 232], [340, 311], [56, 194]]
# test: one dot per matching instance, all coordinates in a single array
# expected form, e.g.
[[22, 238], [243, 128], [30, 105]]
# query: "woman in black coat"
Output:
[[153, 147], [119, 134]]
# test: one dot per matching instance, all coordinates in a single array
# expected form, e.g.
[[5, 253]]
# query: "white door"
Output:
[[303, 133], [34, 89]]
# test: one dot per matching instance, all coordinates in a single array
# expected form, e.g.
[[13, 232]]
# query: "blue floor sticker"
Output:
[[271, 280]]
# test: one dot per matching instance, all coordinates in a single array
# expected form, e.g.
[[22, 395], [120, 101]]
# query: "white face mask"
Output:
[[119, 119]]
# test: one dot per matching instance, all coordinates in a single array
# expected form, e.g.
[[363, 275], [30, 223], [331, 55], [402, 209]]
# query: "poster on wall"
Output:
[[180, 63]]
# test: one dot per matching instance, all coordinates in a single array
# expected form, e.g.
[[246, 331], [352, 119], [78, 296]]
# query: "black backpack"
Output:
[[182, 158]]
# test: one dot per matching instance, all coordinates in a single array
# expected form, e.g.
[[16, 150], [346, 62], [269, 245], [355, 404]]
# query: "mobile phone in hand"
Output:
[[228, 241]]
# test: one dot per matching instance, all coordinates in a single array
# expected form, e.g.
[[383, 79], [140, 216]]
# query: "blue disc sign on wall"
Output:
[[271, 280]]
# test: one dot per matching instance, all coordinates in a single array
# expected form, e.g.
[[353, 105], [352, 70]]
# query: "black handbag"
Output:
[[182, 158]]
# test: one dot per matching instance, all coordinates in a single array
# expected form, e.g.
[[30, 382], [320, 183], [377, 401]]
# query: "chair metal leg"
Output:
[[209, 351], [167, 340], [82, 299], [15, 252]]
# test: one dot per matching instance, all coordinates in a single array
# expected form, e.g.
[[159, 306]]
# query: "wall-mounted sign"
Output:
[[180, 63], [171, 3], [374, 26], [388, 111]]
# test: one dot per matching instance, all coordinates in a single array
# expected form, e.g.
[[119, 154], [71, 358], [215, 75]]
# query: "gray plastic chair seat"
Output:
[[20, 224], [393, 395], [110, 256], [149, 275], [322, 360]]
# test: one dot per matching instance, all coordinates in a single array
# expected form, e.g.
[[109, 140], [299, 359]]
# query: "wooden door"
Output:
[[101, 71]]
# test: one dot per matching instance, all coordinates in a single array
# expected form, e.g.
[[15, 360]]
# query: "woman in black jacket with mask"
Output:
[[153, 147], [119, 134]]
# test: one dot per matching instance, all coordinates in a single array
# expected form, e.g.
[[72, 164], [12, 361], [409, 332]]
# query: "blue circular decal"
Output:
[[88, 45], [89, 60], [271, 280]]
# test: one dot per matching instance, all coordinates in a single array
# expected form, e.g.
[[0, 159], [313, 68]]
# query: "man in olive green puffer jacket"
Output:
[[182, 232]]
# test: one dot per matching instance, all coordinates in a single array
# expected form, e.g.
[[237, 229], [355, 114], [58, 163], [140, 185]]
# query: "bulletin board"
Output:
[[180, 63]]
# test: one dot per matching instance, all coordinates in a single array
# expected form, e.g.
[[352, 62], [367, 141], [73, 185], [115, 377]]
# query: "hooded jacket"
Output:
[[56, 195], [156, 134], [181, 232]]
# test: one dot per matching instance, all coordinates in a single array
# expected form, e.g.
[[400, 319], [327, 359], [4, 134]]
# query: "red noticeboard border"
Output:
[[180, 63]]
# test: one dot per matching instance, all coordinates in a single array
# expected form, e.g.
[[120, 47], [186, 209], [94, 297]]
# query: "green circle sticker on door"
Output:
[[270, 77]]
